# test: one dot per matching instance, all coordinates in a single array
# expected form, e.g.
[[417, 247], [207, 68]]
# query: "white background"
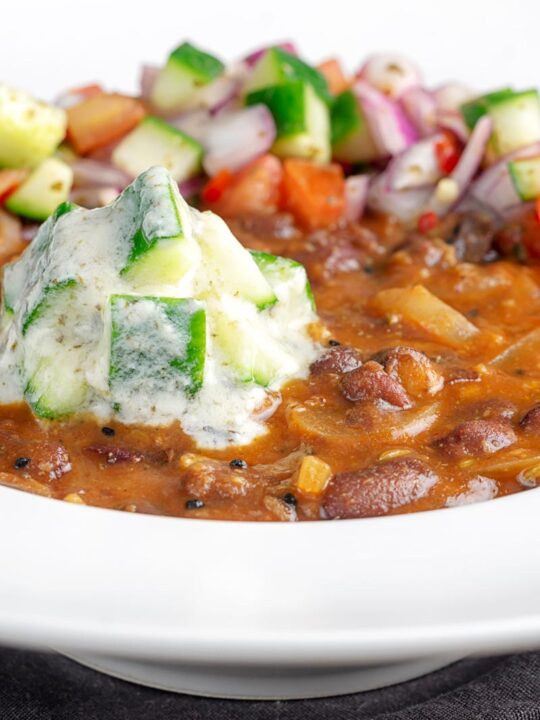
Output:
[[49, 44]]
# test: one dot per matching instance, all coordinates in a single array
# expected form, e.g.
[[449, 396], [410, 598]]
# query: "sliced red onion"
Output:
[[495, 188], [234, 139], [193, 186], [419, 106], [256, 55], [452, 95], [356, 191], [416, 167], [453, 121], [390, 74], [405, 205], [147, 79], [219, 93], [390, 128], [93, 173], [194, 123], [466, 168], [93, 197]]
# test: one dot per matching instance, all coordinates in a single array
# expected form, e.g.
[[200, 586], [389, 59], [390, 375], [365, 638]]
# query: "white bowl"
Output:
[[267, 609]]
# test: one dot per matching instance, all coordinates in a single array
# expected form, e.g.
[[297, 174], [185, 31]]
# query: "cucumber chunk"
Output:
[[252, 355], [57, 387], [55, 381], [45, 188], [516, 121], [277, 66], [301, 117], [155, 142], [162, 249], [351, 139], [49, 298], [281, 271], [30, 130], [525, 175], [187, 69], [158, 345], [229, 267], [473, 110]]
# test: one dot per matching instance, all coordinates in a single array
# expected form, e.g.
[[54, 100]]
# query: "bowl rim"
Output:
[[512, 627]]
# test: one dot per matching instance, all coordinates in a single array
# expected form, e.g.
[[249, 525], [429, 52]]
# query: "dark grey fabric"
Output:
[[41, 686]]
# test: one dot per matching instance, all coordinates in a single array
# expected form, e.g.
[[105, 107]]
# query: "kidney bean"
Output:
[[378, 489], [477, 438], [371, 382], [339, 359], [414, 370], [530, 422]]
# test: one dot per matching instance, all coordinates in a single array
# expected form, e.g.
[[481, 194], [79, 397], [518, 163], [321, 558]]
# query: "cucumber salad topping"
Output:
[[151, 312]]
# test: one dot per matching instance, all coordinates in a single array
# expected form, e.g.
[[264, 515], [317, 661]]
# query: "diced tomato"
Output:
[[334, 75], [448, 152], [530, 231], [216, 186], [11, 239], [10, 181], [86, 91], [314, 194], [427, 222], [101, 119], [253, 190]]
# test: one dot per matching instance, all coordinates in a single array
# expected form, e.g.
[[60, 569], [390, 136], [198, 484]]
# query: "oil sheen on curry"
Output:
[[271, 291]]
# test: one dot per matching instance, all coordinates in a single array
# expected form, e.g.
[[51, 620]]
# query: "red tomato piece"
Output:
[[335, 77], [314, 194], [255, 189]]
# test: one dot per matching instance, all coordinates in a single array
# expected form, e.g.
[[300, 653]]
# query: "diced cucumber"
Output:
[[56, 384], [157, 344], [525, 175], [162, 248], [187, 69], [351, 139], [155, 142], [301, 117], [250, 352], [57, 387], [473, 110], [516, 121], [284, 271], [229, 266], [48, 300], [45, 188], [277, 66], [30, 130]]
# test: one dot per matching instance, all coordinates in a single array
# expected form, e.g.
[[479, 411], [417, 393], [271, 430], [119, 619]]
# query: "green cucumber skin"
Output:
[[525, 176], [473, 110], [179, 311], [267, 262], [277, 66], [162, 126], [63, 209], [287, 103], [345, 116], [49, 293], [295, 68], [141, 244], [204, 66]]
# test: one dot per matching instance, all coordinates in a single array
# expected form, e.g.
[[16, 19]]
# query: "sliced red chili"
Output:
[[427, 222], [448, 151]]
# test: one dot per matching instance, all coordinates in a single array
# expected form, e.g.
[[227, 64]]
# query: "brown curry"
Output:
[[426, 396]]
